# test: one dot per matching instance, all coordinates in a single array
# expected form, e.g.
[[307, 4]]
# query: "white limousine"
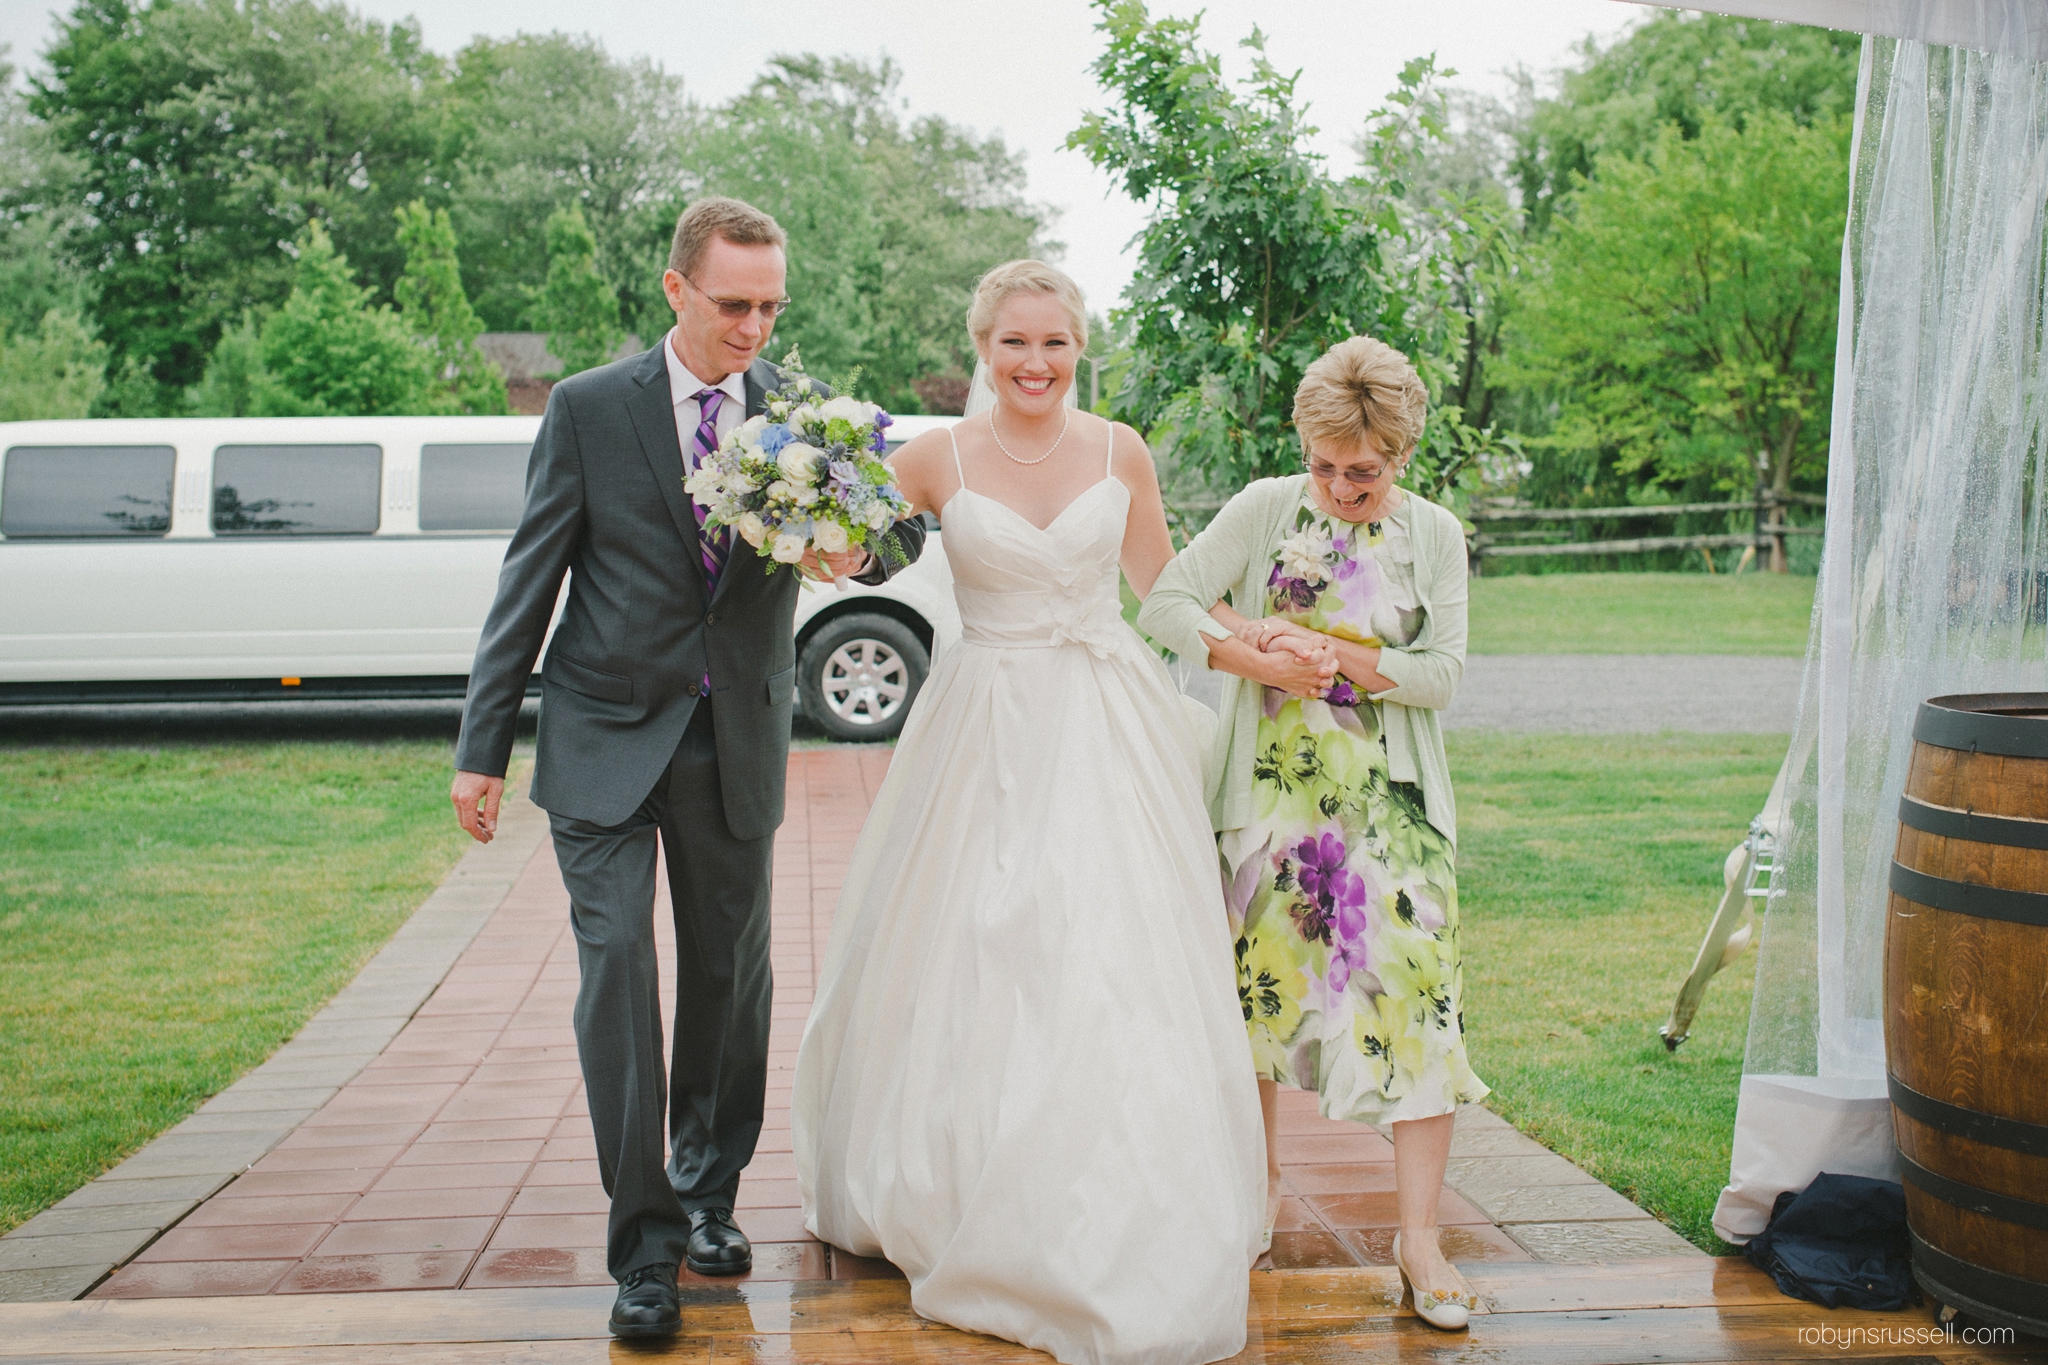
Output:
[[197, 559]]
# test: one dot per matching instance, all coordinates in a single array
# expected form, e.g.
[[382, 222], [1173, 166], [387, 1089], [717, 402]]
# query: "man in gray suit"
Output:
[[665, 710]]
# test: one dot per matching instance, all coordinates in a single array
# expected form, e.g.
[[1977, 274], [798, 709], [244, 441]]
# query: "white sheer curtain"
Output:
[[1935, 575]]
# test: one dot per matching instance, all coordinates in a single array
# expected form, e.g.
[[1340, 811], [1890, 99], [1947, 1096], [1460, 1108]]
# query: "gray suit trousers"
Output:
[[713, 1090]]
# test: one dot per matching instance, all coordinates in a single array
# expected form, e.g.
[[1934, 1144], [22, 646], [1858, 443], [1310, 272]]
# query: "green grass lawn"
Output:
[[1641, 613], [1588, 868], [168, 918]]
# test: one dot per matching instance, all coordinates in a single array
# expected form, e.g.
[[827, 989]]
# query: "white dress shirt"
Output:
[[683, 388]]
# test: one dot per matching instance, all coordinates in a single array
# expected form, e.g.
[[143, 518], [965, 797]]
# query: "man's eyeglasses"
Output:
[[1362, 477], [770, 309]]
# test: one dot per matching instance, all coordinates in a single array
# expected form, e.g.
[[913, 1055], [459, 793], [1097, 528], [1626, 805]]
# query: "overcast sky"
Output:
[[1022, 69]]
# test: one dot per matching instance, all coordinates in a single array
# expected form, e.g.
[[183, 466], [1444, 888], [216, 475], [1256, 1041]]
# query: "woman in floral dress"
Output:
[[1333, 804]]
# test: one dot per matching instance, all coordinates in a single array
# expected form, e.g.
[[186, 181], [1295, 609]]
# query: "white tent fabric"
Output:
[[1934, 578]]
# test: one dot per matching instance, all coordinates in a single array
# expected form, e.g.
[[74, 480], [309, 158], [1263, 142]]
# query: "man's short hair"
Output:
[[739, 223]]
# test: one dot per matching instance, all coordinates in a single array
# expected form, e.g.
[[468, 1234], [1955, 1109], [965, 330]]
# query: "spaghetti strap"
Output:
[[957, 470], [1109, 457]]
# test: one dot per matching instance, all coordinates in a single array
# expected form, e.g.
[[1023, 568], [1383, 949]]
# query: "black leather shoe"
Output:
[[716, 1245], [646, 1305]]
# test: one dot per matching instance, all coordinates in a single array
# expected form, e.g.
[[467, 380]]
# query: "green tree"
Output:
[[541, 123], [235, 383], [207, 133], [38, 208], [576, 307], [330, 351], [1256, 259], [431, 301], [1682, 313], [55, 371], [1683, 70], [890, 223]]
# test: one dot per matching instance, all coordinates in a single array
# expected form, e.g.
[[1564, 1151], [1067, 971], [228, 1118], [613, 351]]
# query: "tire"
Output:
[[859, 675]]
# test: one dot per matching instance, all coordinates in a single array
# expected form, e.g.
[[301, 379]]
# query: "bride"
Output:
[[1025, 1079]]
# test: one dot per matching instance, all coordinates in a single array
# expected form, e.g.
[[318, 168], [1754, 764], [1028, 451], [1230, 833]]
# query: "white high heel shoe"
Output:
[[1452, 1312]]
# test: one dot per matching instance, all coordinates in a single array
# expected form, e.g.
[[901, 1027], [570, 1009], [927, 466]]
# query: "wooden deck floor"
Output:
[[1679, 1310]]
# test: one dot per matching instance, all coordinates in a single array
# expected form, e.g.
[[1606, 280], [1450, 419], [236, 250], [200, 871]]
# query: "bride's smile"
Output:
[[1032, 355]]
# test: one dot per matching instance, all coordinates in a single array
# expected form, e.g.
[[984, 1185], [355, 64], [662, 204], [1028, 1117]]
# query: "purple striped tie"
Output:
[[715, 541]]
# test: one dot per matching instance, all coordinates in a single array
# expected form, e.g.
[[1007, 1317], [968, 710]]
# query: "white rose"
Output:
[[799, 463], [1306, 556], [778, 491], [805, 497], [852, 409], [751, 429], [752, 529], [830, 537], [878, 517], [789, 547]]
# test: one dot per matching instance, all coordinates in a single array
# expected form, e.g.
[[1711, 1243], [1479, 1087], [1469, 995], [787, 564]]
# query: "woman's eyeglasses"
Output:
[[1362, 477], [770, 309]]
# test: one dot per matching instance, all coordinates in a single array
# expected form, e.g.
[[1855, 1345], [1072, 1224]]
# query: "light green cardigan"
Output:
[[1234, 558]]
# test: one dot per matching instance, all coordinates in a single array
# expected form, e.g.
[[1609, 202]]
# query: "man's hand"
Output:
[[845, 564], [476, 804]]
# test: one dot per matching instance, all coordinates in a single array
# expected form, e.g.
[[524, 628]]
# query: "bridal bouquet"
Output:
[[804, 475]]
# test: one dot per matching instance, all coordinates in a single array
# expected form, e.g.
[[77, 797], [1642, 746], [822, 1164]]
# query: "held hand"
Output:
[[1305, 674], [476, 804], [1277, 632]]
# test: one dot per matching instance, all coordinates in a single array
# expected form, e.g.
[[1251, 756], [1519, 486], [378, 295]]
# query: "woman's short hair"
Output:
[[718, 217], [1025, 277], [1361, 387]]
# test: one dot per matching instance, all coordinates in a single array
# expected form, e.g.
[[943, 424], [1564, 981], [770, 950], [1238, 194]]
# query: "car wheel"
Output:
[[859, 675]]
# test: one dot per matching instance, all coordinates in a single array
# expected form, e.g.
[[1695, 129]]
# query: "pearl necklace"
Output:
[[1049, 449]]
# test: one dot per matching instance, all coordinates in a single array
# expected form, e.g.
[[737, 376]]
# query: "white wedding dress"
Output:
[[1026, 1079]]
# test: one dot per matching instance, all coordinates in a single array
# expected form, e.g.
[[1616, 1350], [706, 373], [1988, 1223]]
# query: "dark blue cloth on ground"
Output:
[[1840, 1242]]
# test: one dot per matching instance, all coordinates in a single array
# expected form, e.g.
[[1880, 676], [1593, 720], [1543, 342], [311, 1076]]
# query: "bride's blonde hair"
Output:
[[1025, 277]]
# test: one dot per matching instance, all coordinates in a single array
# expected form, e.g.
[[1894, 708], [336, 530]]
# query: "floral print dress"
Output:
[[1343, 897]]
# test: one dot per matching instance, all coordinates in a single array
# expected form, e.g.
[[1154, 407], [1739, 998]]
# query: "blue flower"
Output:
[[775, 436]]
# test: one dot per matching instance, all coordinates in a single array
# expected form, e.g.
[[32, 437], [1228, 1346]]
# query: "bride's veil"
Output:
[[981, 394]]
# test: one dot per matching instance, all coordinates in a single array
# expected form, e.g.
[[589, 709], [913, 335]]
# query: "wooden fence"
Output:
[[1767, 533]]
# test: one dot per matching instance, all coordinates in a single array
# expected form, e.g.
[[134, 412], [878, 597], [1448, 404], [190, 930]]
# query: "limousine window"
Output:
[[472, 487], [297, 490], [78, 491]]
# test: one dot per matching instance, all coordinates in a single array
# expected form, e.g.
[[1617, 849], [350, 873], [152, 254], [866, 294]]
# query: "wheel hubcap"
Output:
[[865, 682]]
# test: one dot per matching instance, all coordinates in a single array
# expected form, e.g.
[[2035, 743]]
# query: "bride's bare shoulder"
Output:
[[1130, 459], [924, 466]]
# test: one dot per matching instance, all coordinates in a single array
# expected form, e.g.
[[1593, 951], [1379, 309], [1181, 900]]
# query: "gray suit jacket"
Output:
[[605, 504]]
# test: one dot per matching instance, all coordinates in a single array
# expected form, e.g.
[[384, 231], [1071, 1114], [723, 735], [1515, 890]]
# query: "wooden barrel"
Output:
[[1966, 1004]]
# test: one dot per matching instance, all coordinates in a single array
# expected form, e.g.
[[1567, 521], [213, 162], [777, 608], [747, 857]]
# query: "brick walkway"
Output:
[[461, 1157]]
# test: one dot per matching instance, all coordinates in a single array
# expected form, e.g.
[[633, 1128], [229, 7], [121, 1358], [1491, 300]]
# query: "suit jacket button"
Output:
[[710, 618], [693, 689]]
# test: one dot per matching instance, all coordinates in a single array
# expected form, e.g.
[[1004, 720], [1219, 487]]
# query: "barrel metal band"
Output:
[[1968, 898], [1994, 1130], [1967, 824], [1986, 731], [2004, 1207], [1962, 1284]]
